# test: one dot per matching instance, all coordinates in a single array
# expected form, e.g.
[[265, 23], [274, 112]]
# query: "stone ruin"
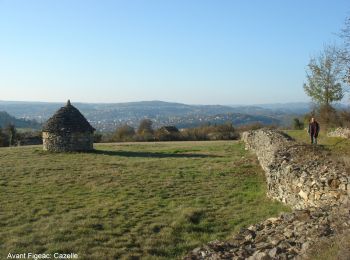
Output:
[[298, 175], [68, 130], [303, 177]]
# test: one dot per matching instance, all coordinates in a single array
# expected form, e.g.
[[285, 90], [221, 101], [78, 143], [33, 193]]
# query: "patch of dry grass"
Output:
[[337, 248]]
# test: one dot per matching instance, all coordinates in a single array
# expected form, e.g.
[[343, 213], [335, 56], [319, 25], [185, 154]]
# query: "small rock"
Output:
[[304, 247], [288, 233], [274, 251]]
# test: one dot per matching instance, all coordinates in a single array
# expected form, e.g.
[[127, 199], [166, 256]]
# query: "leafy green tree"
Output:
[[325, 78]]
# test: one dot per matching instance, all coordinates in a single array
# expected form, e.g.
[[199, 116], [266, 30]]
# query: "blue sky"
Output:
[[197, 52]]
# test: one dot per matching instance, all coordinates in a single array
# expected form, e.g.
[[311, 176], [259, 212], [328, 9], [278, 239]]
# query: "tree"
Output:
[[4, 139], [145, 131], [167, 133], [11, 132], [145, 127], [297, 124], [124, 133], [325, 78], [97, 137]]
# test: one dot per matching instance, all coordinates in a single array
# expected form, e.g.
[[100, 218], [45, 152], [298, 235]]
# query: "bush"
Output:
[[145, 127], [8, 136], [344, 117], [29, 138], [11, 132], [252, 126], [208, 132], [328, 117], [4, 139], [145, 137], [145, 131], [97, 137], [168, 133], [124, 133], [127, 133], [297, 124]]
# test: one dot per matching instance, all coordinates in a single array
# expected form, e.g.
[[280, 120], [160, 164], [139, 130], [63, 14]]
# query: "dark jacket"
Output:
[[314, 129]]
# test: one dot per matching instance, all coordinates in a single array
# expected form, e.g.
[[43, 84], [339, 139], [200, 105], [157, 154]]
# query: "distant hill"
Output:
[[106, 116], [6, 119]]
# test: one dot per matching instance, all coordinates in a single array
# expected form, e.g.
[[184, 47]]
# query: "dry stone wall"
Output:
[[298, 175], [340, 132], [289, 236], [303, 177]]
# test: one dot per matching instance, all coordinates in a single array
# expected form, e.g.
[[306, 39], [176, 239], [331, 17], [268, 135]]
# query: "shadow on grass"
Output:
[[153, 155]]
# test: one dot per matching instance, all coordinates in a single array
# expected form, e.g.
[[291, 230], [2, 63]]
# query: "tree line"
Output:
[[145, 132], [9, 136]]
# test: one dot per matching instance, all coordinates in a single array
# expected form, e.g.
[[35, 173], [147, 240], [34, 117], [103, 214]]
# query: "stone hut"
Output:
[[68, 130]]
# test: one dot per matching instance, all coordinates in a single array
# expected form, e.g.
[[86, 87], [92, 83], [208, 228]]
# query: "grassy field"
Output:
[[149, 200]]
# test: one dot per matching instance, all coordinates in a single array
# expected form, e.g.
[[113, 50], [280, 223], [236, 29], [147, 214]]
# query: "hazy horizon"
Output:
[[191, 52], [167, 101]]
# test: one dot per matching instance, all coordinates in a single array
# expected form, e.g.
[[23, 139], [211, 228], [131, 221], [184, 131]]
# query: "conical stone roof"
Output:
[[67, 119]]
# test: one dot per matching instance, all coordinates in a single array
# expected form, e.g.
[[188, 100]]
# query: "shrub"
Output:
[[297, 124], [29, 138], [124, 133], [97, 137], [4, 139], [168, 133]]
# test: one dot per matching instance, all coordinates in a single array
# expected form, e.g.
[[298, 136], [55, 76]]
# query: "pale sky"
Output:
[[188, 51]]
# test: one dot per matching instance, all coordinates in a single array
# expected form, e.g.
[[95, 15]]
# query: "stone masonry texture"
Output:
[[306, 179]]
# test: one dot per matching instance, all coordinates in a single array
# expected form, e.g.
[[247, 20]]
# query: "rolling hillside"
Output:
[[106, 117], [6, 119]]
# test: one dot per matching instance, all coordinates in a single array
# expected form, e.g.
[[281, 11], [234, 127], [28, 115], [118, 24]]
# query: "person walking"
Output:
[[314, 129]]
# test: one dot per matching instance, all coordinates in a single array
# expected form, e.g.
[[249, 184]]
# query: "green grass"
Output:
[[149, 200]]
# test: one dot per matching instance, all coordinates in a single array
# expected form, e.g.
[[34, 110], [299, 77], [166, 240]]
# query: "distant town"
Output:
[[107, 117]]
